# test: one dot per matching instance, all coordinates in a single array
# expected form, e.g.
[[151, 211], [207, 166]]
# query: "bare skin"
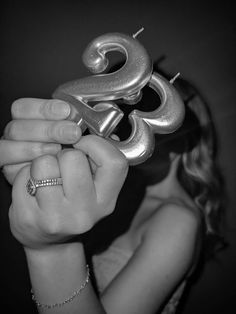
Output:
[[164, 234]]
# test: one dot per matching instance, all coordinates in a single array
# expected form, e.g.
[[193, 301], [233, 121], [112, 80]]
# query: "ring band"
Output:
[[33, 184]]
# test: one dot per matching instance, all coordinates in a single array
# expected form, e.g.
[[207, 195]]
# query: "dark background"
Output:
[[41, 47]]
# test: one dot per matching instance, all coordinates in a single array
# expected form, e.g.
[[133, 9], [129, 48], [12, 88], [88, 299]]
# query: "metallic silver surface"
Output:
[[100, 121], [165, 119], [128, 80], [125, 84]]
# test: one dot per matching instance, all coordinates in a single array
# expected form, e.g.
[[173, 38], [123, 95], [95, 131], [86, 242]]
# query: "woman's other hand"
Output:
[[38, 127]]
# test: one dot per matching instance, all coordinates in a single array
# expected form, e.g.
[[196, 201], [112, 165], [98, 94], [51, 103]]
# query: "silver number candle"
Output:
[[125, 84]]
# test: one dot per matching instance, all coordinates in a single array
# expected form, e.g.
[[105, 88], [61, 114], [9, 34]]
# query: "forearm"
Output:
[[56, 273]]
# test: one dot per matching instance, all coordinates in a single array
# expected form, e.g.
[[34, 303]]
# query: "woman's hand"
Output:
[[92, 176], [38, 127]]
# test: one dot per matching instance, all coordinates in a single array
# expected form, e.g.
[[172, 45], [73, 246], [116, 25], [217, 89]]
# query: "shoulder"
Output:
[[174, 232], [174, 218]]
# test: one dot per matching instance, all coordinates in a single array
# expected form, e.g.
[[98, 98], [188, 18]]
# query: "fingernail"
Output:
[[115, 137], [71, 133], [61, 109], [51, 148]]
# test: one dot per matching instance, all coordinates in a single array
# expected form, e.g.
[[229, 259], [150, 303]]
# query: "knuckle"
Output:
[[56, 131], [51, 223], [54, 226], [45, 159], [51, 131], [34, 150], [55, 109], [120, 163], [47, 108], [44, 162], [71, 155]]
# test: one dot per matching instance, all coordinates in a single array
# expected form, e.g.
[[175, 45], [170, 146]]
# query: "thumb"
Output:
[[111, 166]]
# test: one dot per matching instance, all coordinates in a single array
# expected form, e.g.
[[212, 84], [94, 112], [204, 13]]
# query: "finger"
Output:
[[76, 174], [47, 167], [33, 108], [111, 165], [19, 192], [13, 152], [64, 132], [10, 171]]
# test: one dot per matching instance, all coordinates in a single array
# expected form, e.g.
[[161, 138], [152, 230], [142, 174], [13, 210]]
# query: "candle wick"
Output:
[[138, 32], [174, 78]]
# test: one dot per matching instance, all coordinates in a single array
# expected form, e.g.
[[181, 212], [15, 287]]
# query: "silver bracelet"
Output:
[[69, 299]]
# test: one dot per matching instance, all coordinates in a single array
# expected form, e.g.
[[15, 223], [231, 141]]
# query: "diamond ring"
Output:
[[33, 184]]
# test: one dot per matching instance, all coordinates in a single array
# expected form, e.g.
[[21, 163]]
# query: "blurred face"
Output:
[[156, 168]]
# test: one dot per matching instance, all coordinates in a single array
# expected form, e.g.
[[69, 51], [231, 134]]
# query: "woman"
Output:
[[145, 265]]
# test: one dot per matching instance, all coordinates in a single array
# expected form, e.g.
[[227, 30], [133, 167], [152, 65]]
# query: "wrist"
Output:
[[54, 265], [50, 253]]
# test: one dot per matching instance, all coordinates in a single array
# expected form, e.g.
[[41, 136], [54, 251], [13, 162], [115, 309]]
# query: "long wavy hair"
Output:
[[198, 170], [197, 144]]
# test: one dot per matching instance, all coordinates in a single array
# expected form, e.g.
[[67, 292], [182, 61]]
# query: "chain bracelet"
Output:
[[68, 300]]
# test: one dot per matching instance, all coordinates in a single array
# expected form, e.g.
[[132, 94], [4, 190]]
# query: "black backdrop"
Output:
[[41, 47]]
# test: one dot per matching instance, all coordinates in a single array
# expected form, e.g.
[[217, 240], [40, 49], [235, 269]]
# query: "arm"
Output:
[[56, 274], [161, 262], [44, 223]]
